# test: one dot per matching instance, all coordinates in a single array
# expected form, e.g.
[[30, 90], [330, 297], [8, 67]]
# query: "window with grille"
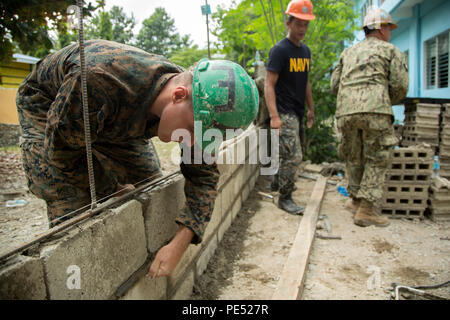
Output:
[[436, 55]]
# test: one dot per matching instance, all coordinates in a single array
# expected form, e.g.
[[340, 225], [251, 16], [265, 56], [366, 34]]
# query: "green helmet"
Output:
[[224, 97]]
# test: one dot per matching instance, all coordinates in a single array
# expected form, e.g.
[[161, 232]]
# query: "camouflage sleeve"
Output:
[[398, 77], [64, 142], [201, 190], [336, 77]]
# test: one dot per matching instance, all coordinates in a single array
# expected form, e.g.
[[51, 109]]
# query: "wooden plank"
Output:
[[290, 285]]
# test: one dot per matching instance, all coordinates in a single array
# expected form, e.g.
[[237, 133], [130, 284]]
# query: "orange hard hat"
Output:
[[301, 9]]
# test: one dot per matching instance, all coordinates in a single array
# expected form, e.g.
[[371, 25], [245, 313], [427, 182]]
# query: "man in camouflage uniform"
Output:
[[132, 96], [369, 78], [286, 88]]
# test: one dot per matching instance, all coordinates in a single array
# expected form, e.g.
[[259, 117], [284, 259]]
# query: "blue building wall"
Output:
[[434, 19]]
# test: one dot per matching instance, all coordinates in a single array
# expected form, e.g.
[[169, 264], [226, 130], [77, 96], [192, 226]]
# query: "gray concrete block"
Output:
[[216, 218], [148, 289], [164, 206], [94, 259], [180, 270], [226, 223], [236, 207], [23, 279], [245, 192], [206, 255], [228, 193], [184, 291]]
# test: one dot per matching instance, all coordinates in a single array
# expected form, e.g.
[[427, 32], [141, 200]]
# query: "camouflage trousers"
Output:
[[65, 186], [366, 141], [290, 153]]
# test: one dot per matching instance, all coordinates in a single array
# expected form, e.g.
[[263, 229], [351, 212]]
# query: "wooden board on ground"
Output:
[[290, 285]]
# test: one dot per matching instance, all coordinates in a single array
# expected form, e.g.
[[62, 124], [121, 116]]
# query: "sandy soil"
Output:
[[362, 265]]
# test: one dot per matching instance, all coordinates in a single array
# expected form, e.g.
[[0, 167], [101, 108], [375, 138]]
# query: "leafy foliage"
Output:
[[188, 56], [112, 25], [158, 35], [26, 23]]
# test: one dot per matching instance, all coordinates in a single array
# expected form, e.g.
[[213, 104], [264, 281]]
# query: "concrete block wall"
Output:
[[108, 256], [421, 124], [444, 144], [407, 182], [439, 201]]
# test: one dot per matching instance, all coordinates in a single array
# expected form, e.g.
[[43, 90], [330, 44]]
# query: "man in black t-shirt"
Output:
[[286, 88]]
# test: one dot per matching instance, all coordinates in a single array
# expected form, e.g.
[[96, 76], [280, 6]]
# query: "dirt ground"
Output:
[[363, 265]]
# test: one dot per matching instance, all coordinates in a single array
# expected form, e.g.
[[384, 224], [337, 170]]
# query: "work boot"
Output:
[[352, 205], [286, 203], [367, 216]]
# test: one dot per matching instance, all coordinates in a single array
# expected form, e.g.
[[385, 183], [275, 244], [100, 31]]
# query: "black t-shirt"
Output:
[[292, 63]]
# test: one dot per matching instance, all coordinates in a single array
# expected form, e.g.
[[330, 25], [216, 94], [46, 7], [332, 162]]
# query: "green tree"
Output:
[[188, 56], [158, 34], [26, 24], [112, 25]]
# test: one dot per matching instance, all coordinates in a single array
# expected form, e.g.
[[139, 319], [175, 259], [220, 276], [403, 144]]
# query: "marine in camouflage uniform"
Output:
[[369, 78], [122, 83]]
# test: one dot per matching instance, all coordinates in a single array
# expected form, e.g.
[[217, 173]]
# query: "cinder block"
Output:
[[245, 191], [423, 179], [94, 259], [423, 155], [400, 190], [226, 223], [428, 108], [22, 279], [216, 218], [228, 195], [183, 266], [148, 289], [184, 291], [403, 213], [226, 170], [206, 255], [410, 167], [405, 203], [236, 207], [164, 206], [239, 180], [254, 177]]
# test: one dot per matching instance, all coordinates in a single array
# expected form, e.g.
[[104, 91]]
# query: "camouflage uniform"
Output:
[[122, 83], [290, 153], [370, 77]]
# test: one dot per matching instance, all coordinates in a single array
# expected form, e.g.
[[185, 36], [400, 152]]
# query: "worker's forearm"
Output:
[[309, 97], [182, 238], [269, 93]]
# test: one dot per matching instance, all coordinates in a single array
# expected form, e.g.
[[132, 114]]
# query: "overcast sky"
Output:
[[186, 13]]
